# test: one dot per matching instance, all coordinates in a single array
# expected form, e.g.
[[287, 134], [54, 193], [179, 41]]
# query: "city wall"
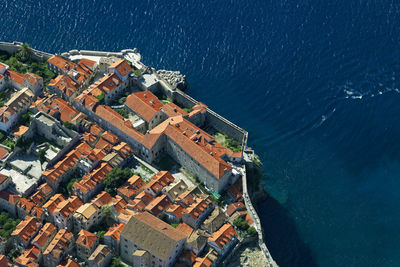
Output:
[[212, 118], [14, 47]]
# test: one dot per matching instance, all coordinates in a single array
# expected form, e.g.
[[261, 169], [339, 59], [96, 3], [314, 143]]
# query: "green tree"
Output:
[[42, 156], [252, 231], [26, 119], [68, 125], [25, 54], [100, 235], [116, 262], [241, 224], [107, 213], [115, 178], [100, 97]]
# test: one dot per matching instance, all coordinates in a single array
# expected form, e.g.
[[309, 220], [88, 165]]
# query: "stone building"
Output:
[[86, 216], [148, 240], [86, 243], [101, 257], [61, 245]]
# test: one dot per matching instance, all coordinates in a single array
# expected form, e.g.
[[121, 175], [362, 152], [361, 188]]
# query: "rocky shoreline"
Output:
[[175, 78]]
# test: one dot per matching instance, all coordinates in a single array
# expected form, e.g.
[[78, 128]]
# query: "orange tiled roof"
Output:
[[26, 204], [87, 62], [115, 119], [86, 239], [173, 110], [203, 262], [122, 66], [197, 208], [44, 234], [160, 180], [223, 235], [67, 112], [61, 63], [16, 77], [27, 228], [89, 138], [69, 263], [118, 203], [51, 205], [132, 186], [102, 199], [7, 196], [185, 228], [55, 173], [32, 78], [65, 84], [111, 138], [123, 149], [95, 129], [115, 231], [29, 257], [248, 219], [197, 143], [3, 152], [3, 259], [90, 180], [3, 178], [87, 100], [234, 207], [38, 198], [103, 145], [67, 207], [20, 130], [158, 205], [107, 83], [176, 209], [59, 244], [145, 104], [45, 189]]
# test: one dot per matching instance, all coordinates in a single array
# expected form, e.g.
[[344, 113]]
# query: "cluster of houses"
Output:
[[163, 222], [22, 90]]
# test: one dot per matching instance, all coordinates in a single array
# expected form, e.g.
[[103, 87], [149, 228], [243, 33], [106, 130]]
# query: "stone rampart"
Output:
[[257, 223], [94, 53], [212, 118], [14, 47]]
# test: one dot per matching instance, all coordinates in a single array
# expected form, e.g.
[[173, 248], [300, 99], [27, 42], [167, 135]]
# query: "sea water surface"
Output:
[[316, 84]]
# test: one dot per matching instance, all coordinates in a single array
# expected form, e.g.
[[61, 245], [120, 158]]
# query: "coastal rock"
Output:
[[174, 78]]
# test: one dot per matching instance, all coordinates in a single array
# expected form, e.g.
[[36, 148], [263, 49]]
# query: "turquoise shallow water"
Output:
[[315, 83]]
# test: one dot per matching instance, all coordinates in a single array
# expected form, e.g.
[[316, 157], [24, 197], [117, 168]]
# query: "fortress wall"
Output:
[[93, 53], [212, 118], [12, 48]]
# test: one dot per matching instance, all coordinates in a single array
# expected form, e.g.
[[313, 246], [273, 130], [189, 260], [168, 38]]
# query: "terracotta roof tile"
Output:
[[122, 66], [86, 239], [145, 104]]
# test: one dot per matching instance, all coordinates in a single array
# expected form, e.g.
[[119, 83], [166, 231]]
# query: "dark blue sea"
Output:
[[316, 84]]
